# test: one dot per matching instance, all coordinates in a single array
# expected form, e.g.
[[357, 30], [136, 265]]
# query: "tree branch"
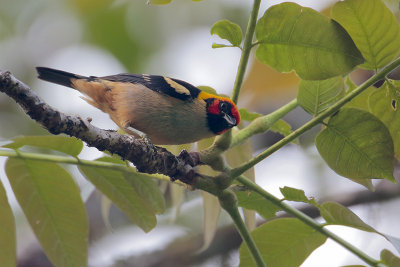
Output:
[[146, 157]]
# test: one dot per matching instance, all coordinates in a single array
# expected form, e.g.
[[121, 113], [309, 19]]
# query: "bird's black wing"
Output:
[[161, 84]]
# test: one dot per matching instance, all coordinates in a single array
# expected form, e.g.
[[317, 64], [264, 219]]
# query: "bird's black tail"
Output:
[[57, 76]]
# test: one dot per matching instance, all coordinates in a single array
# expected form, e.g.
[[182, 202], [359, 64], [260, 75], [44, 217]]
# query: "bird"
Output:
[[163, 110]]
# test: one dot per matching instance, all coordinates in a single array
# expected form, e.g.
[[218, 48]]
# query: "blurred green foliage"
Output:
[[106, 26], [33, 33]]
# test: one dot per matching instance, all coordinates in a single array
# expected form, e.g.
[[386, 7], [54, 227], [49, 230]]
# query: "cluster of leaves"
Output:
[[51, 201], [288, 236], [360, 141]]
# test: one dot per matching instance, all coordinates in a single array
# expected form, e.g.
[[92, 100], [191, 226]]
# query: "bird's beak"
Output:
[[230, 120]]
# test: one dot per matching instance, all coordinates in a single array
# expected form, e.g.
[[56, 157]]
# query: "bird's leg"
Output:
[[141, 134]]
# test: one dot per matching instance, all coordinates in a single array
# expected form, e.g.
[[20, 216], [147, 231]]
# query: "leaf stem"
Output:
[[78, 161], [247, 45], [229, 203], [262, 124], [244, 59], [316, 120], [307, 220]]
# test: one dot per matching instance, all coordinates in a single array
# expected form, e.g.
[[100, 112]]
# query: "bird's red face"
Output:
[[222, 114]]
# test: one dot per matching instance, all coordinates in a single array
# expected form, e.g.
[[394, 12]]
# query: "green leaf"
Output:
[[298, 38], [361, 101], [229, 31], [148, 190], [281, 127], [393, 88], [334, 213], [215, 45], [364, 182], [283, 242], [380, 106], [253, 201], [8, 247], [51, 202], [356, 144], [248, 115], [350, 84], [316, 96], [294, 194], [112, 159], [373, 28], [389, 258], [144, 185], [208, 89], [119, 190], [65, 144]]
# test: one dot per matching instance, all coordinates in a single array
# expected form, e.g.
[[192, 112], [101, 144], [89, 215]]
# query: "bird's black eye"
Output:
[[224, 107]]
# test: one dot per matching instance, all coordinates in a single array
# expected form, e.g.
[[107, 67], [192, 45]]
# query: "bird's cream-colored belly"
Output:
[[164, 119]]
